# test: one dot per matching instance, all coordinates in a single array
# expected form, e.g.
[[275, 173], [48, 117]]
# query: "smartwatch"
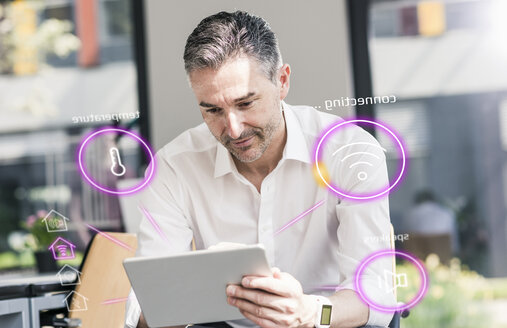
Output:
[[324, 308]]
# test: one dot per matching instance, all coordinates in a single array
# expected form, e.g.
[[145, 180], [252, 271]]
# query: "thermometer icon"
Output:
[[117, 168]]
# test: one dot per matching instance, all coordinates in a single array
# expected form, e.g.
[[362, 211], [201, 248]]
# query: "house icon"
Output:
[[75, 302], [55, 221], [62, 249], [69, 276]]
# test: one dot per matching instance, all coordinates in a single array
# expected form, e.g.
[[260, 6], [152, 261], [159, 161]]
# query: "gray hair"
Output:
[[225, 35]]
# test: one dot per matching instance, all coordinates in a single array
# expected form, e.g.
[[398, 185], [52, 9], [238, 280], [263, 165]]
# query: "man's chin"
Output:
[[246, 156]]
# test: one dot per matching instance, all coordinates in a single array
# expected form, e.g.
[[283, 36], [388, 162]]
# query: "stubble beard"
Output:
[[264, 137]]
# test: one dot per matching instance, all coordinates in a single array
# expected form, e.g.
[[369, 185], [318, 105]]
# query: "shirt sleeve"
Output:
[[165, 227], [364, 228], [133, 311]]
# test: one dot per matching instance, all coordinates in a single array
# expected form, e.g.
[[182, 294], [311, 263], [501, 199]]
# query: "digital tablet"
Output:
[[189, 288]]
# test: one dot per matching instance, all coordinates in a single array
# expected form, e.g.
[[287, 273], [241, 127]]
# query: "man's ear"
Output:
[[284, 81]]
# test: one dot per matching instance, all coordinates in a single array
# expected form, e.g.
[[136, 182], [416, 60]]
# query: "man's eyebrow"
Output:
[[208, 105], [205, 104], [250, 94]]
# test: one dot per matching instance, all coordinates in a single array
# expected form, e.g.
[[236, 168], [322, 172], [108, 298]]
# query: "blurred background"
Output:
[[445, 61], [52, 69]]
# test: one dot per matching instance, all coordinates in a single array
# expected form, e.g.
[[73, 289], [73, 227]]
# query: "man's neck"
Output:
[[269, 160]]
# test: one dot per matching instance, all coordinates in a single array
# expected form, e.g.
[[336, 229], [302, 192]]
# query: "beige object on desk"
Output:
[[103, 279]]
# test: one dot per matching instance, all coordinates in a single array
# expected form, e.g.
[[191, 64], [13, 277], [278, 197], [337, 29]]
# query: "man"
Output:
[[247, 171], [432, 227]]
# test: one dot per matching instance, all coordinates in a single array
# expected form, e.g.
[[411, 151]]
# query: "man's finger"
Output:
[[264, 323], [276, 272], [269, 284], [257, 310], [256, 296]]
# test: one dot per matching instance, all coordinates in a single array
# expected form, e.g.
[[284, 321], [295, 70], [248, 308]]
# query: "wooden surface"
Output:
[[103, 279]]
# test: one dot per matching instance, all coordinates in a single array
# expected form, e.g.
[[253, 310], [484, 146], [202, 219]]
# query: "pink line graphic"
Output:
[[300, 216], [115, 300], [328, 287], [154, 223], [114, 240]]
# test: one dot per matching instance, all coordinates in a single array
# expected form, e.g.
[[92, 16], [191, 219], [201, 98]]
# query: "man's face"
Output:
[[240, 105]]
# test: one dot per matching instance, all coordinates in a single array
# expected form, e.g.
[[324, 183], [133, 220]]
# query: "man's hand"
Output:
[[273, 302]]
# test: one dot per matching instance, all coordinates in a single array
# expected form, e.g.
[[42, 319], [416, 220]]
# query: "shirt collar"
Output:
[[295, 148], [223, 162]]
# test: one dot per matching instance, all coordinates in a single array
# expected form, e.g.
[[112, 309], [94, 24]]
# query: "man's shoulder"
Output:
[[192, 141]]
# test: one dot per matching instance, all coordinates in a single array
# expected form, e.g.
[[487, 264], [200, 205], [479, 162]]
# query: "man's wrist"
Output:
[[310, 315], [323, 309]]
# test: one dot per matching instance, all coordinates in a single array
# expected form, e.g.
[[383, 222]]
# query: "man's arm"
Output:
[[357, 312], [278, 301], [164, 228]]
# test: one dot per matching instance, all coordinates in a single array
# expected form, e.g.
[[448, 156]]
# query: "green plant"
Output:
[[455, 298], [37, 228], [52, 37]]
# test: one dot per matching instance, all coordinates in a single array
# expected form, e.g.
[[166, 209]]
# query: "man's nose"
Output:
[[234, 125]]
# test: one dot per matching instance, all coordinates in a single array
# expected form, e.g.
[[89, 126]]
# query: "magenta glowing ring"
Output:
[[356, 197], [388, 309], [138, 187]]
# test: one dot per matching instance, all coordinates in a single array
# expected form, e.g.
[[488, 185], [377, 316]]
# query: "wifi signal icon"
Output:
[[62, 250], [362, 175]]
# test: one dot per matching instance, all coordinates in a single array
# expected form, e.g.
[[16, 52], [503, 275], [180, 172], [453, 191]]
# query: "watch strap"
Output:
[[324, 309]]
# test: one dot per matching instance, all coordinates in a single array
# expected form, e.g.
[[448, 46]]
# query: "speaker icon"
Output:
[[398, 280]]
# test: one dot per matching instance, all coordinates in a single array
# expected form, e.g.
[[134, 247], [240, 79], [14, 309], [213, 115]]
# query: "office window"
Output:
[[54, 75], [446, 65], [503, 123], [410, 120]]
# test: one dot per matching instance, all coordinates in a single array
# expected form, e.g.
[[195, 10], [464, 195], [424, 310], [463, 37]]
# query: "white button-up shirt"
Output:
[[199, 194]]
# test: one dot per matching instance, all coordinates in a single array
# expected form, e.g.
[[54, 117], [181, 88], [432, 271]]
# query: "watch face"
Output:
[[325, 318]]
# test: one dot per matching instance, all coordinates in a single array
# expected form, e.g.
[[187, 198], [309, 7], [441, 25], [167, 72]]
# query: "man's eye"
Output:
[[245, 104], [213, 110]]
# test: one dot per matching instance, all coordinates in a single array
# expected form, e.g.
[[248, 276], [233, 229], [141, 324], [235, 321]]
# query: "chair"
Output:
[[103, 279]]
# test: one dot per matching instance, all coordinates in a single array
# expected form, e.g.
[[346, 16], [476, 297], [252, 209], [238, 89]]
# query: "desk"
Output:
[[24, 296]]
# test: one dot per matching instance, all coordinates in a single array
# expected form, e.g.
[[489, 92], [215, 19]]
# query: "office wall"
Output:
[[313, 38]]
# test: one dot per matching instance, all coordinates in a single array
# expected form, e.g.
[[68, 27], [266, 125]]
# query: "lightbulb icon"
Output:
[[117, 168]]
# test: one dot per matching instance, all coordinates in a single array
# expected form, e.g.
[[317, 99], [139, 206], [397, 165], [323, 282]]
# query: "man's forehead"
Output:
[[235, 69], [235, 79], [233, 100]]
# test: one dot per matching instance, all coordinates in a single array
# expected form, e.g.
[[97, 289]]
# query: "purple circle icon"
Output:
[[423, 275], [362, 175], [114, 151]]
